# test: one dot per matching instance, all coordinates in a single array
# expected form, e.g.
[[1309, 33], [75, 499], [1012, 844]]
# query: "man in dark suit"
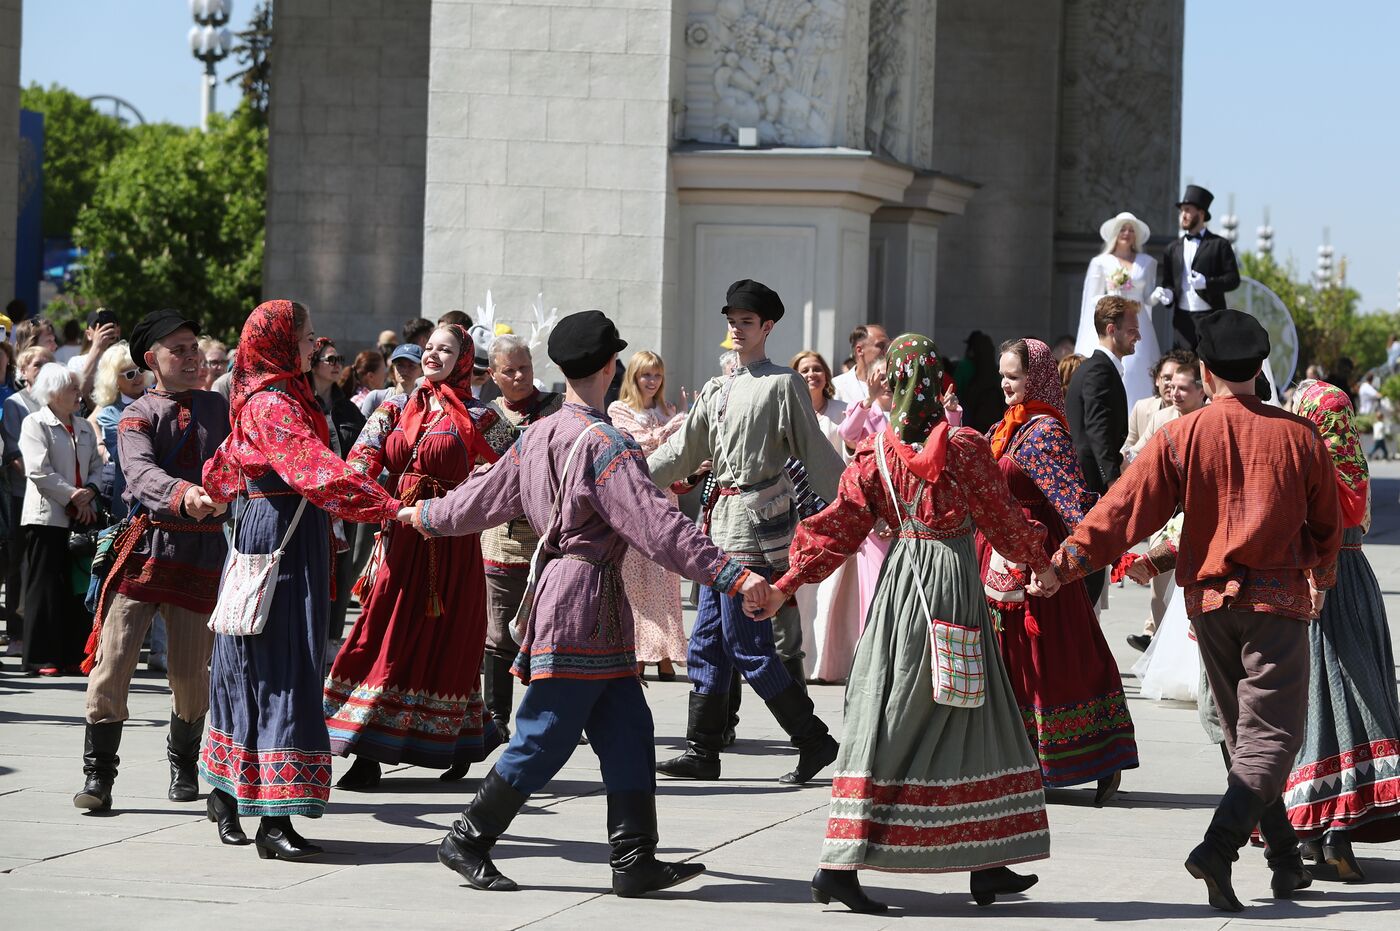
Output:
[[1196, 270], [1098, 406]]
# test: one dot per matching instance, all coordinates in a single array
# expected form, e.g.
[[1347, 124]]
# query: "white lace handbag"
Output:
[[245, 594]]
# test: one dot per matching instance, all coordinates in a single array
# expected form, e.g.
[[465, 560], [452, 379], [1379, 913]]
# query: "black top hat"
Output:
[[1197, 196]]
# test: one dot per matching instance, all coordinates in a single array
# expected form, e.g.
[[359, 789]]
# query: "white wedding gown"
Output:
[[1171, 667], [1137, 374]]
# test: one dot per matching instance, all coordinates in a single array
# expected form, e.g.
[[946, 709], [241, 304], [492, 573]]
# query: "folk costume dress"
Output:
[[655, 593], [1066, 680], [1347, 774], [920, 786], [266, 742], [405, 687]]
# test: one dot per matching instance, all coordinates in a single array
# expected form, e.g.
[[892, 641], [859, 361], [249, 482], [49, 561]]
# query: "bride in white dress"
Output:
[[1122, 269]]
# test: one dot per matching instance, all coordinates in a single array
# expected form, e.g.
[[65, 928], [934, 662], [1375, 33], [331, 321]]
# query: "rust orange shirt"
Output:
[[1260, 507]]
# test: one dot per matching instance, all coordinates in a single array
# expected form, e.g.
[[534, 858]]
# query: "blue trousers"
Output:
[[554, 712], [724, 639]]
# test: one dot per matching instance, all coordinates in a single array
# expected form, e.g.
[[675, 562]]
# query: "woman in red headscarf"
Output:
[[266, 751], [405, 687], [1345, 783], [1065, 678]]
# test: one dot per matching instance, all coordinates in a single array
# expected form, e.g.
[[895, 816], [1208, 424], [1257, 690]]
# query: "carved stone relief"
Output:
[[783, 67], [1119, 113], [899, 92]]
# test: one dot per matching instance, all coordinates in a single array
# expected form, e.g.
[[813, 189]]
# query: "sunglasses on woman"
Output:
[[333, 360], [131, 374]]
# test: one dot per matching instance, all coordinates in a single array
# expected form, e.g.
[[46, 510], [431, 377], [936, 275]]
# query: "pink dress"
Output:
[[654, 593], [859, 423]]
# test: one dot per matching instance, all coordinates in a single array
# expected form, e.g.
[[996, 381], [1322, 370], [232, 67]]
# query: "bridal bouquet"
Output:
[[1119, 280]]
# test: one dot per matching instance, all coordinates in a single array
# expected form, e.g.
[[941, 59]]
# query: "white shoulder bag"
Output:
[[245, 594]]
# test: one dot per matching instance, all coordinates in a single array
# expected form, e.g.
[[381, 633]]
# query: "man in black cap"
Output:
[[584, 485], [749, 423], [1260, 533], [169, 558], [1196, 270]]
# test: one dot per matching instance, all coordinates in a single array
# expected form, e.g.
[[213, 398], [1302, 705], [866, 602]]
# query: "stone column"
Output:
[[548, 131], [904, 252], [9, 145], [345, 163], [1120, 133]]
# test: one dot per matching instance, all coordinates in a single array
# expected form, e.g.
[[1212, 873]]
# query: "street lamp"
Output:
[[210, 43], [1323, 273], [1265, 242], [1230, 223]]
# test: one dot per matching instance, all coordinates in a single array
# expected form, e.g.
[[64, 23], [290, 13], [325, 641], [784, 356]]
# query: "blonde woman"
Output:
[[1125, 269], [119, 382], [642, 412]]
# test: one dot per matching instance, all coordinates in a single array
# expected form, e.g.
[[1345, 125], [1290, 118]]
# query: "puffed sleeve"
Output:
[[826, 540], [994, 510], [367, 455]]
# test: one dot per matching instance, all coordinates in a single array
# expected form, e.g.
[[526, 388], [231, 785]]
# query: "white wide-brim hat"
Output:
[[1109, 231]]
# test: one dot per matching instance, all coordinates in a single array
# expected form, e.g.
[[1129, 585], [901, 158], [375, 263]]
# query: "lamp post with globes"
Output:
[[210, 43]]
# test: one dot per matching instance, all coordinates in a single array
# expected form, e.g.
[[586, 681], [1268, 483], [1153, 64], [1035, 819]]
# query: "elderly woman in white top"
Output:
[[1123, 268], [17, 407], [61, 459]]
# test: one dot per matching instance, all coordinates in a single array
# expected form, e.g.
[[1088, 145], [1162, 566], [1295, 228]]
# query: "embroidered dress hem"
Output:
[[269, 783], [394, 726], [1082, 743]]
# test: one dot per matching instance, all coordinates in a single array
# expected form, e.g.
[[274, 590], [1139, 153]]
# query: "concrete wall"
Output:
[[548, 133], [996, 105], [349, 115], [9, 144]]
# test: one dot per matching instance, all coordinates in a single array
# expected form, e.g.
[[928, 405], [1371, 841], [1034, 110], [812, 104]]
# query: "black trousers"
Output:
[[56, 625]]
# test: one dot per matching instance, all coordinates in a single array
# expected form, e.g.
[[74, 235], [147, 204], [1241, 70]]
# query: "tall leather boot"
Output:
[[633, 836], [182, 749], [467, 847], [1234, 820], [100, 760], [704, 735], [816, 748], [1281, 851], [736, 695], [498, 685]]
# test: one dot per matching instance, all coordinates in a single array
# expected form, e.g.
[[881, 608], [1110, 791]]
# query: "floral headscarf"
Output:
[[1044, 396], [269, 357], [1330, 408], [918, 430], [453, 394]]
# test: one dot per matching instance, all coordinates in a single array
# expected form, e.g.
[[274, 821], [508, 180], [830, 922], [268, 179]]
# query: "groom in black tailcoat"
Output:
[[1196, 270]]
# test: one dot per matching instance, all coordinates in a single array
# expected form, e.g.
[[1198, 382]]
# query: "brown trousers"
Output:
[[1257, 666], [190, 642], [503, 596]]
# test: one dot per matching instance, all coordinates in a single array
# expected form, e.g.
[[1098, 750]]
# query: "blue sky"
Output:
[[1288, 105]]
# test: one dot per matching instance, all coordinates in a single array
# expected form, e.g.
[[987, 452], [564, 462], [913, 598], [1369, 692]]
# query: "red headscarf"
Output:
[[1044, 395], [269, 356], [452, 393], [1329, 408]]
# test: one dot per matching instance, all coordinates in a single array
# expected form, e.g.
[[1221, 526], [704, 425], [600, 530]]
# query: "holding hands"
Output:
[[198, 505], [1141, 572], [1044, 584], [757, 594]]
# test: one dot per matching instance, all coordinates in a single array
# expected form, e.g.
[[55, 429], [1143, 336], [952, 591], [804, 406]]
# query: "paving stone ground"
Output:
[[153, 864]]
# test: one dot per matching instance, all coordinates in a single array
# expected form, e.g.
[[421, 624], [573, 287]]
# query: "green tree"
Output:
[[177, 220], [254, 53], [79, 143], [1326, 318]]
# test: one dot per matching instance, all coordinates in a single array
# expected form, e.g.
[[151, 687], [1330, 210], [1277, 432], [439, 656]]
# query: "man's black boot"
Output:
[[1234, 820], [633, 836], [467, 847], [704, 734], [816, 748], [499, 687], [100, 743], [182, 749], [1281, 851]]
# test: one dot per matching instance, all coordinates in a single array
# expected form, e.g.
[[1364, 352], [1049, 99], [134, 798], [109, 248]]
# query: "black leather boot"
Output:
[[998, 880], [100, 760], [222, 809], [704, 735], [736, 695], [467, 847], [182, 749], [498, 685], [1234, 820], [794, 669], [816, 748], [1336, 851], [1281, 851], [278, 840], [633, 836], [844, 887]]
